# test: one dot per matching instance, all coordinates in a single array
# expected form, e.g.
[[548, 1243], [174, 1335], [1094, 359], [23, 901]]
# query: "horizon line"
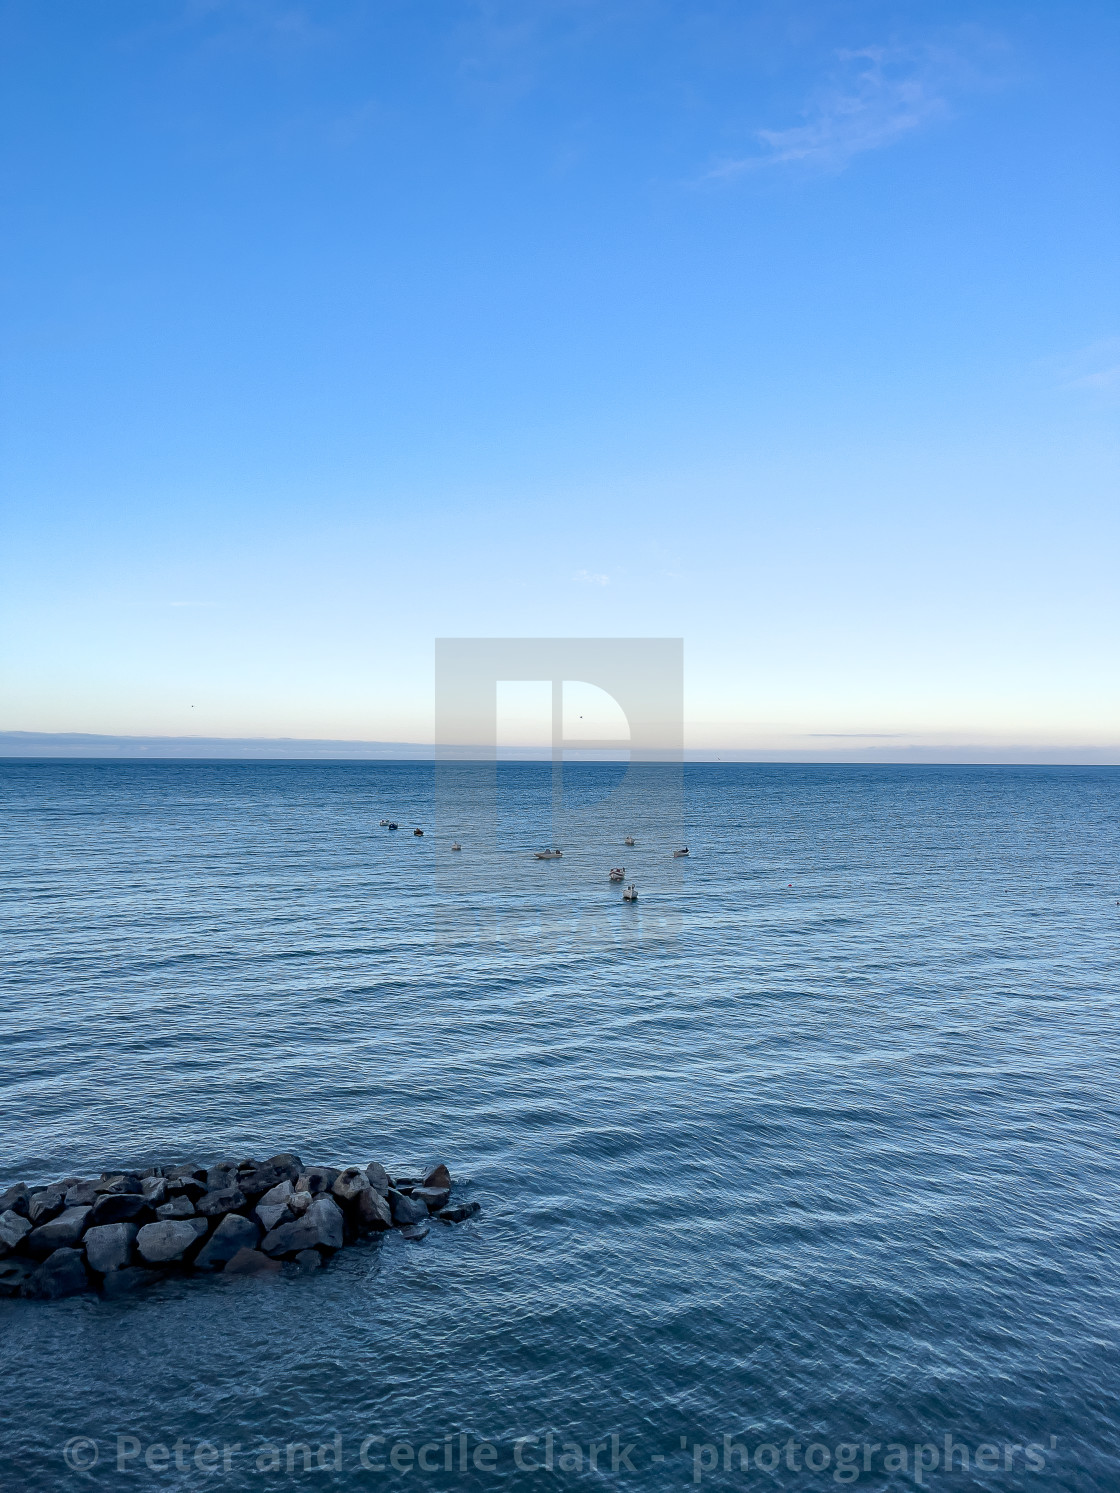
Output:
[[93, 746]]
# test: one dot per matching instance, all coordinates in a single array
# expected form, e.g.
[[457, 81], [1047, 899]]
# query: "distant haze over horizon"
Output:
[[77, 745], [790, 329]]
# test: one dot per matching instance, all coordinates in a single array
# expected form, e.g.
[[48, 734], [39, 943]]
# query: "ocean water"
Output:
[[815, 1148]]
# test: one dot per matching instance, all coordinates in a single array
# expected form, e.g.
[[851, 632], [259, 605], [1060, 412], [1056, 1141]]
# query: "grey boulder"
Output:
[[323, 1219], [154, 1189], [169, 1239], [61, 1233], [188, 1172], [63, 1274], [257, 1177], [299, 1202], [16, 1199], [349, 1183], [271, 1214], [257, 1180], [251, 1262], [308, 1259], [458, 1212], [415, 1231], [227, 1200], [120, 1207], [234, 1233], [317, 1179], [81, 1194], [117, 1182], [406, 1210], [288, 1162], [378, 1178], [439, 1177], [433, 1198], [180, 1207], [109, 1246], [14, 1228], [372, 1211], [46, 1205], [319, 1228], [186, 1187], [278, 1194]]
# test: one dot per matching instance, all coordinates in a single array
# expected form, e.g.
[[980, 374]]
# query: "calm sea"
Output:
[[815, 1148]]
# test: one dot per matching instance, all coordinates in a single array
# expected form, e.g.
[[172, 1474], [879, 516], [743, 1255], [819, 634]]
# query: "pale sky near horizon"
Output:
[[789, 329]]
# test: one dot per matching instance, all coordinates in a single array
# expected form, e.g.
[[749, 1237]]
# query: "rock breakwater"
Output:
[[125, 1230]]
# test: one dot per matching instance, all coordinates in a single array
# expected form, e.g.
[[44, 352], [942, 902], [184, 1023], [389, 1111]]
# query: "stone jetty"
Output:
[[125, 1230]]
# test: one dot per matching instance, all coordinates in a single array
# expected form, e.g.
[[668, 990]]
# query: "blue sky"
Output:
[[791, 329]]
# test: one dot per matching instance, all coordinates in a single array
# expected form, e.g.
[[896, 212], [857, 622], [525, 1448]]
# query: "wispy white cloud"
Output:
[[876, 96], [591, 578]]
